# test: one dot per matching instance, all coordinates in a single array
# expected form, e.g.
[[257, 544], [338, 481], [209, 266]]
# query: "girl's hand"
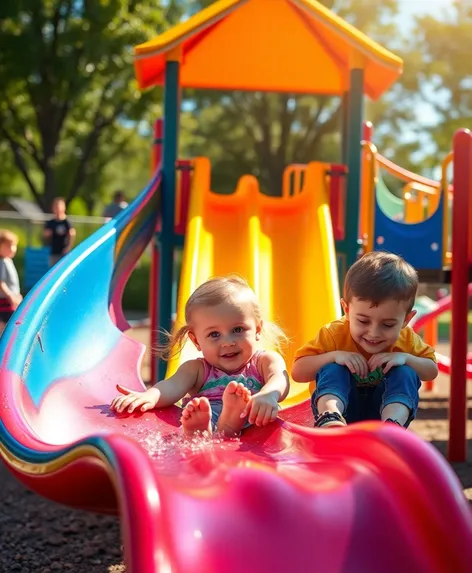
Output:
[[354, 361], [387, 360], [262, 408], [131, 400]]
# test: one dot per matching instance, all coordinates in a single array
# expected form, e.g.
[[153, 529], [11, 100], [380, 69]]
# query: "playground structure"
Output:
[[426, 228], [286, 484], [434, 237], [423, 215], [420, 197]]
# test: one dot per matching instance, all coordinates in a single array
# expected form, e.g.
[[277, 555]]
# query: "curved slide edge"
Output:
[[65, 340], [68, 330], [391, 205]]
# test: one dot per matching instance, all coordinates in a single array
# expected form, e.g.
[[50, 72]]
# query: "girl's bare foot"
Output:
[[235, 398], [196, 416]]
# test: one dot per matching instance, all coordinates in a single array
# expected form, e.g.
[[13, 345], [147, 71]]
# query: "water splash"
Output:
[[177, 454]]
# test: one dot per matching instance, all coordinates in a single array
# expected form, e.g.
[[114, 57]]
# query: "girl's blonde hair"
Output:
[[213, 292]]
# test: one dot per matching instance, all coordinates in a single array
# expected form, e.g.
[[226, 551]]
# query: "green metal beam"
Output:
[[344, 127], [166, 238], [354, 163]]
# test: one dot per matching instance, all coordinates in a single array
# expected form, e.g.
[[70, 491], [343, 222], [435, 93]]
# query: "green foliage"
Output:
[[77, 207], [136, 294], [445, 77], [8, 174], [73, 123], [128, 170], [70, 110], [261, 133], [68, 84], [433, 97]]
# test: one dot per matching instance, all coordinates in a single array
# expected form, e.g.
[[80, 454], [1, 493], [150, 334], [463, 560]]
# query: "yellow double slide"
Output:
[[283, 246]]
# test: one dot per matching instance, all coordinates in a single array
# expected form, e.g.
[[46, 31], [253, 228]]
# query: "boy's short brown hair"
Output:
[[380, 276], [8, 237]]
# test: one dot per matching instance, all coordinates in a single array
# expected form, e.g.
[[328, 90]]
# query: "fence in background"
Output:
[[32, 258], [30, 230]]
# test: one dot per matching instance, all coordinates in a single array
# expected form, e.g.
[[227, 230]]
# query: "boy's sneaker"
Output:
[[329, 419], [392, 421]]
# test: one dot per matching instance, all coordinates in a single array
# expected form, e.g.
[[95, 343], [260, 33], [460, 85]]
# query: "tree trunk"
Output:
[[49, 188]]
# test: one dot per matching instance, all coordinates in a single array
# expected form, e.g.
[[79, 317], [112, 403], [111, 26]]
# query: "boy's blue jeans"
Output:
[[400, 385]]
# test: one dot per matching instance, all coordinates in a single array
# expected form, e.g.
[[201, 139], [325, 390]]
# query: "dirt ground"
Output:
[[38, 536]]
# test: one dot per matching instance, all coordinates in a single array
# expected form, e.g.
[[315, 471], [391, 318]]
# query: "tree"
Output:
[[8, 173], [433, 97], [444, 80], [68, 83], [122, 160], [129, 171], [261, 133]]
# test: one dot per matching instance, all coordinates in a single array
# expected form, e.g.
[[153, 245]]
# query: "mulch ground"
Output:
[[38, 536]]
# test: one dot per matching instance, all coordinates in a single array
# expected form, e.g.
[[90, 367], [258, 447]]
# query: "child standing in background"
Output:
[[58, 232], [10, 297], [236, 383], [372, 338]]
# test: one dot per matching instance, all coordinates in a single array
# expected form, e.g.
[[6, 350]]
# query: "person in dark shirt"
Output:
[[58, 232], [119, 203]]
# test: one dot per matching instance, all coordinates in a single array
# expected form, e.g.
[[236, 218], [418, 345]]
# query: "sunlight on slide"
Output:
[[282, 245]]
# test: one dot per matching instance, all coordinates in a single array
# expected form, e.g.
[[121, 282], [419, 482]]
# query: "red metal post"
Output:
[[430, 333], [367, 131], [156, 159], [337, 200], [184, 166], [462, 148]]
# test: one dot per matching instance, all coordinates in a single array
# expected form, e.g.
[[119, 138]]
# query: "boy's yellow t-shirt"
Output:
[[336, 336]]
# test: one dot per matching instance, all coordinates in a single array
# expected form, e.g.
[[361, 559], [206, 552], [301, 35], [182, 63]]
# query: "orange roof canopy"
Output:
[[292, 46]]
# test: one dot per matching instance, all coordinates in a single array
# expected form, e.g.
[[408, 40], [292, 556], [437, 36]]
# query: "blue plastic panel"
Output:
[[420, 244]]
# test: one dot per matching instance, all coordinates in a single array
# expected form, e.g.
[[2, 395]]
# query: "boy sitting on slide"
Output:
[[369, 364]]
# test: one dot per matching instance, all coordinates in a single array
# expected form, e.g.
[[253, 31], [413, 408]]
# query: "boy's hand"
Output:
[[387, 360], [133, 400], [354, 361], [262, 408]]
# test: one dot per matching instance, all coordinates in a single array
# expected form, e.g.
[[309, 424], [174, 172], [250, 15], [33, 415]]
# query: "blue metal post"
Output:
[[354, 165], [167, 239]]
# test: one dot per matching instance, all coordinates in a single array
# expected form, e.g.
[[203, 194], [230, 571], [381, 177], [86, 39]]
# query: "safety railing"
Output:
[[447, 190], [421, 195], [293, 180], [421, 201], [369, 179]]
